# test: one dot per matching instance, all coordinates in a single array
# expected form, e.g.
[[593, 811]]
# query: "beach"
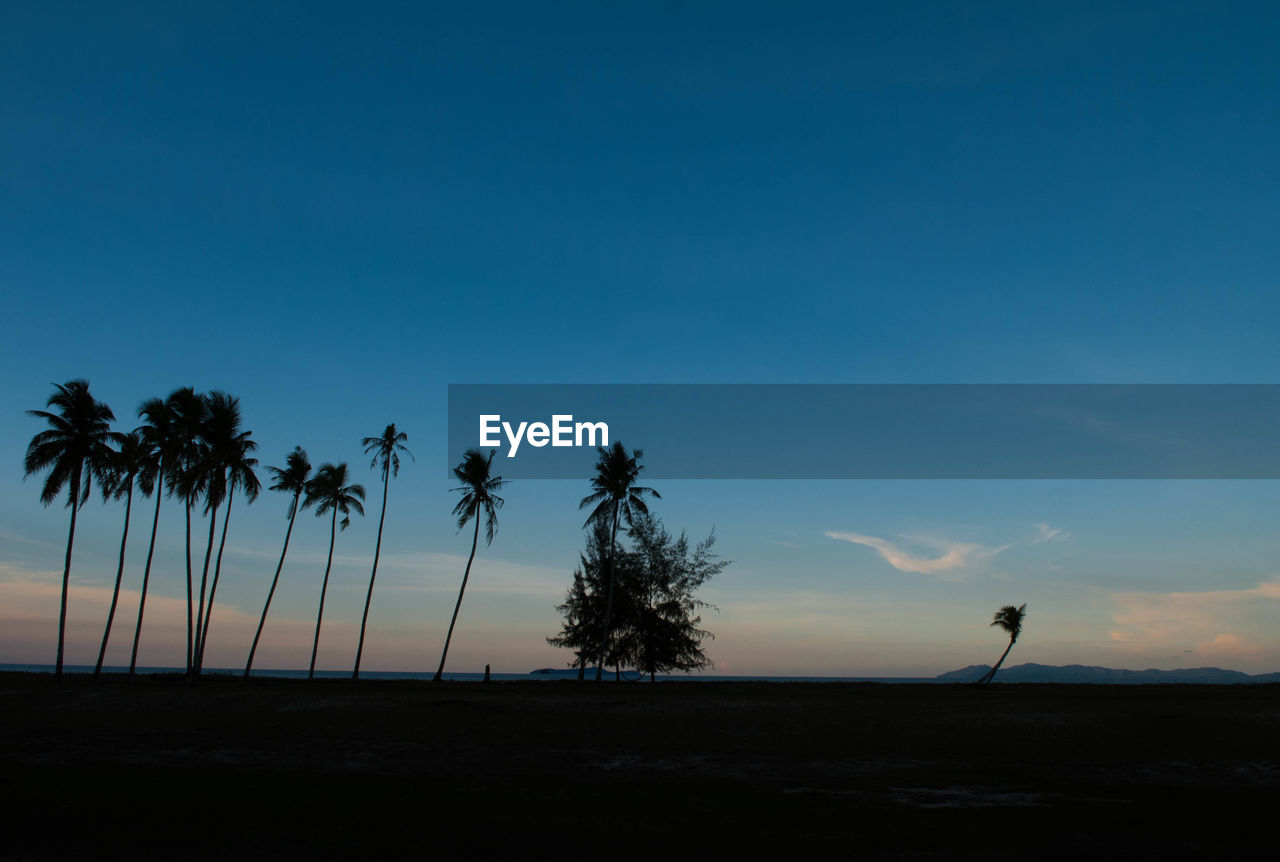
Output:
[[331, 769]]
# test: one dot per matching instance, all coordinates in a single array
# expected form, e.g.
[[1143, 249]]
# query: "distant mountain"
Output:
[[1082, 673]]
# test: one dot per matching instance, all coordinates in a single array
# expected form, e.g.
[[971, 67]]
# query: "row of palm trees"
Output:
[[191, 446]]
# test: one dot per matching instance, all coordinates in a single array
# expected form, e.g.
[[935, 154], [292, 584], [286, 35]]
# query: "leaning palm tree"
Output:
[[187, 477], [329, 492], [615, 496], [75, 449], [1010, 619], [386, 452], [230, 468], [159, 434], [221, 421], [129, 467], [292, 479], [478, 498]]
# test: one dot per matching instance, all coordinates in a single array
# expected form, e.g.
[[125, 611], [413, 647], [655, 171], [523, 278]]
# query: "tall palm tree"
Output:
[[329, 492], [1010, 619], [230, 467], [159, 434], [129, 467], [187, 478], [386, 453], [292, 479], [75, 449], [478, 498], [615, 496]]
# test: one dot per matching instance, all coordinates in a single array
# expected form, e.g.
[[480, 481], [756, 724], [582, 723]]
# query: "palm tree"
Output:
[[478, 498], [292, 479], [207, 473], [385, 449], [74, 449], [329, 492], [1010, 619], [188, 410], [159, 434], [229, 467], [129, 464], [615, 496]]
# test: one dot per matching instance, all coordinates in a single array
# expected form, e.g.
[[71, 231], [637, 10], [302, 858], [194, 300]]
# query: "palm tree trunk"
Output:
[[608, 607], [270, 593], [190, 599], [377, 551], [115, 595], [204, 583], [324, 587], [213, 590], [474, 540], [992, 673], [66, 573], [146, 580]]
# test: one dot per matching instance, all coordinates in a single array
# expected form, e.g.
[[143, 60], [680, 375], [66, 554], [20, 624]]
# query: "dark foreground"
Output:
[[379, 769]]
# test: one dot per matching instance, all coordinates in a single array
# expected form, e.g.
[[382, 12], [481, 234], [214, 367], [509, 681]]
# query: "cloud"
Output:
[[1206, 624], [1227, 646], [1045, 533], [952, 555]]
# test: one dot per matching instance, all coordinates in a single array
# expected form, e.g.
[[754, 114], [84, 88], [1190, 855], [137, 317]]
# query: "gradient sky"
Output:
[[334, 212]]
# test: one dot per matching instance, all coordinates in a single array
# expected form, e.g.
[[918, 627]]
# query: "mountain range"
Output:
[[1079, 673]]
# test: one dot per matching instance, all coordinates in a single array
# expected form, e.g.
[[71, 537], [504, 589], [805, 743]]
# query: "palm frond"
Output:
[[76, 448], [386, 450], [1010, 618], [328, 491], [474, 471], [614, 486]]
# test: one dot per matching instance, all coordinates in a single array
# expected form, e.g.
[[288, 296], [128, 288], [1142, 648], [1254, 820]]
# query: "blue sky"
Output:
[[334, 213]]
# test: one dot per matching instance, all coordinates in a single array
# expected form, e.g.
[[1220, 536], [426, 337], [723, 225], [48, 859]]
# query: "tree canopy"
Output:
[[656, 624]]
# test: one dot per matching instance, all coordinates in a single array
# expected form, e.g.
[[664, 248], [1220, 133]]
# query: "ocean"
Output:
[[542, 674]]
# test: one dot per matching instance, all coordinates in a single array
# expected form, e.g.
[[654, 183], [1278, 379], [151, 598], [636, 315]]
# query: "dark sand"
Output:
[[377, 769]]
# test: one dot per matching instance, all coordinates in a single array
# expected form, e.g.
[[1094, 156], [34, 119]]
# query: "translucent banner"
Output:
[[875, 431]]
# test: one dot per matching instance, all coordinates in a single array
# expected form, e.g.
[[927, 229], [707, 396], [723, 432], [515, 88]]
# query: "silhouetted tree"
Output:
[[615, 495], [329, 492], [188, 410], [661, 630], [1010, 619], [478, 498], [386, 453], [579, 630], [128, 466], [292, 479], [655, 620], [160, 437], [584, 602], [75, 449], [229, 467]]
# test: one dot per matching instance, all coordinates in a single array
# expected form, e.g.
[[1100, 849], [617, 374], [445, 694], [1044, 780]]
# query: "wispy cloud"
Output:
[[1045, 533], [950, 555]]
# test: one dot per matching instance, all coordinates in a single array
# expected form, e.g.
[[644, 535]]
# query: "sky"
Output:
[[333, 213]]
